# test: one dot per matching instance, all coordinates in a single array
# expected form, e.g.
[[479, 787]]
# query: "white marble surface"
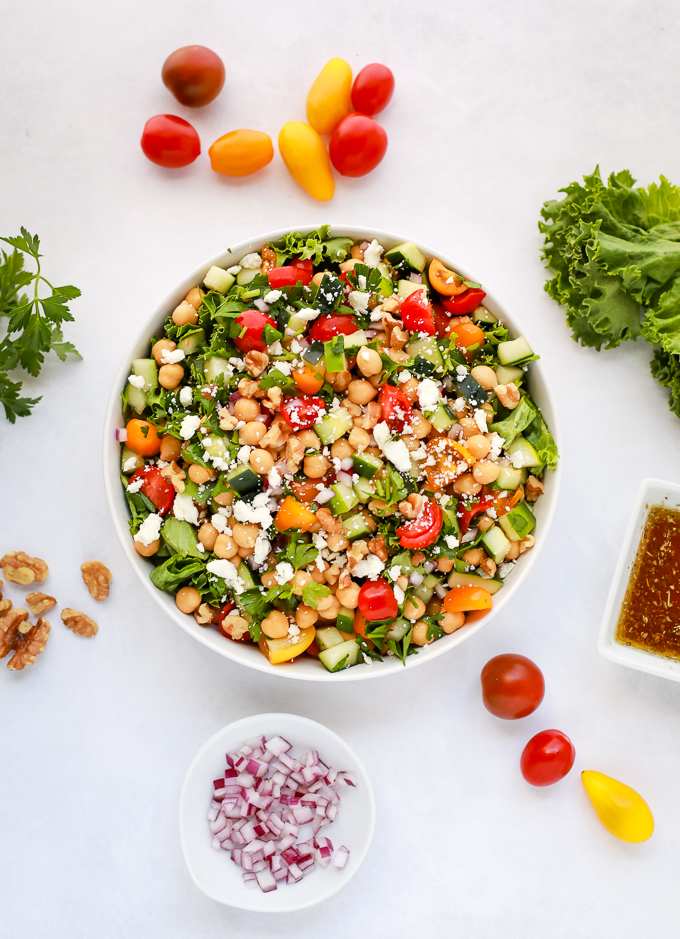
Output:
[[497, 105]]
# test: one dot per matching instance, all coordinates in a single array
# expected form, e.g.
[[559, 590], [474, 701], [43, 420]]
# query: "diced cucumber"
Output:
[[355, 527], [509, 477], [398, 630], [344, 499], [191, 342], [355, 341], [215, 447], [334, 354], [518, 522], [127, 454], [406, 256], [427, 349], [386, 286], [216, 366], [218, 279], [344, 655], [181, 537], [246, 274], [474, 580], [344, 621], [249, 578], [509, 373], [521, 450], [138, 398], [314, 353], [333, 426], [482, 315], [364, 489], [297, 324], [443, 418], [496, 544], [513, 351], [472, 391], [366, 464], [243, 480], [327, 637], [406, 287], [426, 589], [451, 525], [199, 494]]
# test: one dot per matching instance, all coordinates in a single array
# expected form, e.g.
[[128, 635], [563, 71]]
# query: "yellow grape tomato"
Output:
[[622, 811], [307, 160], [329, 98]]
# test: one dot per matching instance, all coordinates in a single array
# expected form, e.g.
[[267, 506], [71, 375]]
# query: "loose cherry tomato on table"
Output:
[[170, 141], [241, 152], [512, 686], [424, 530], [331, 325], [289, 276], [622, 810], [142, 438], [306, 159], [301, 413], [328, 100], [373, 89], [155, 487], [252, 340], [464, 303], [377, 600], [417, 313], [358, 144], [194, 74], [547, 758], [396, 407]]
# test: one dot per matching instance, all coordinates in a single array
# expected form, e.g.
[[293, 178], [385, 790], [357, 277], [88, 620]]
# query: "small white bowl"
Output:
[[652, 492], [215, 874]]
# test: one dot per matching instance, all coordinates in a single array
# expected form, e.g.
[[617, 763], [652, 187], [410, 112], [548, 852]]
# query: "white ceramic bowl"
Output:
[[307, 668], [213, 871], [652, 492]]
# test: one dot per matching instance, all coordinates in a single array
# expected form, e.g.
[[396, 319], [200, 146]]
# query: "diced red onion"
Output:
[[341, 857], [266, 881], [416, 278], [429, 566], [441, 591], [345, 478], [261, 305], [250, 880], [121, 434], [323, 496], [415, 579], [371, 333]]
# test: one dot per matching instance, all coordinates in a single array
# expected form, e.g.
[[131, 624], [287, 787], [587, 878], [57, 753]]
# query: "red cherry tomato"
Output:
[[358, 144], [396, 407], [547, 758], [377, 600], [255, 322], [464, 303], [289, 276], [330, 325], [442, 322], [155, 487], [417, 313], [512, 686], [424, 530], [194, 74], [300, 413], [372, 89], [170, 141]]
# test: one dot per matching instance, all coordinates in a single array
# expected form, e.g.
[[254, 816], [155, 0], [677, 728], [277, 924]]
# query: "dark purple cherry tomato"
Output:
[[194, 74], [170, 141], [547, 758], [372, 89]]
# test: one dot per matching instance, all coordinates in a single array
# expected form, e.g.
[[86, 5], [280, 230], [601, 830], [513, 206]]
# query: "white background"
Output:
[[497, 106]]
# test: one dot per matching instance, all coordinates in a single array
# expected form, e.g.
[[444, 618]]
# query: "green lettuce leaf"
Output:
[[665, 368], [541, 440], [516, 421], [171, 574]]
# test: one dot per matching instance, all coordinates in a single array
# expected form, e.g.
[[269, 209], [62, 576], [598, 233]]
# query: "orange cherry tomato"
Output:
[[306, 491], [467, 334], [142, 438], [445, 281], [293, 514], [359, 623], [463, 599], [241, 152], [314, 650], [309, 378]]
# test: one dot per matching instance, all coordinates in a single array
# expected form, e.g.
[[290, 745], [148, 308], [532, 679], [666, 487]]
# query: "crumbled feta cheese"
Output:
[[171, 358], [370, 567], [149, 530], [236, 269], [184, 509], [137, 381], [227, 572], [256, 511], [200, 547], [358, 300], [398, 593], [451, 541], [129, 464], [461, 371], [237, 363], [276, 348], [272, 296], [372, 254], [186, 396], [261, 549], [505, 569], [459, 405], [377, 314], [284, 367], [517, 459], [243, 455], [251, 261], [219, 522], [295, 347], [189, 426], [283, 572], [274, 478], [404, 376], [394, 572], [429, 394], [496, 446], [397, 453], [381, 434], [480, 418], [136, 485]]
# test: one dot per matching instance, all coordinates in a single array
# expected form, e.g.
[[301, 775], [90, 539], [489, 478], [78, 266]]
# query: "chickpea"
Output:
[[469, 427], [339, 381], [341, 449], [207, 535], [261, 462], [331, 611], [348, 265], [147, 550], [379, 507], [452, 621], [357, 253], [308, 439], [188, 599], [224, 498], [184, 313], [199, 474], [485, 523], [374, 451], [302, 578], [466, 485], [359, 438], [315, 466], [169, 376], [246, 409], [361, 392], [252, 433], [348, 596], [171, 448], [245, 552], [419, 635], [478, 446], [194, 297], [410, 389], [474, 557], [485, 472], [319, 577], [158, 348], [337, 542], [445, 565], [268, 578], [318, 277], [414, 609], [420, 426], [275, 626], [485, 376], [513, 551], [369, 362], [376, 380], [224, 546], [245, 534], [305, 616]]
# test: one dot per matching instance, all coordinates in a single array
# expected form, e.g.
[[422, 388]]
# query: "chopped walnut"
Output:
[[175, 475], [295, 452], [208, 392], [275, 437], [373, 415], [398, 355], [397, 336], [227, 420], [489, 565], [328, 522], [206, 614], [533, 489], [236, 626], [19, 568], [332, 574], [250, 389], [377, 546], [40, 603], [12, 625], [273, 400], [508, 395], [344, 580], [351, 407], [5, 606], [29, 645], [417, 558], [78, 622], [356, 552], [97, 577], [390, 304], [411, 506], [256, 363], [268, 256], [526, 544]]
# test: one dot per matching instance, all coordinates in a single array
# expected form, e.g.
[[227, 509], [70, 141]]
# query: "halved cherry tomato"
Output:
[[467, 334], [309, 378], [463, 599], [301, 413], [194, 74], [443, 280], [396, 407], [466, 514], [142, 438], [293, 514], [377, 600], [289, 276], [442, 322], [330, 325], [424, 530], [155, 487], [417, 313], [547, 758], [464, 303], [358, 144], [252, 339], [372, 89], [313, 649]]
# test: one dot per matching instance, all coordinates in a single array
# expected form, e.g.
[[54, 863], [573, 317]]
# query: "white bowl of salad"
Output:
[[331, 455]]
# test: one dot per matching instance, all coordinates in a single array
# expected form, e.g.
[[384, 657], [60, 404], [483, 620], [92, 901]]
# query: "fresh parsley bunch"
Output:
[[33, 322]]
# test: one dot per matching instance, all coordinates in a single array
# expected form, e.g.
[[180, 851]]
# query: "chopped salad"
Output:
[[332, 451]]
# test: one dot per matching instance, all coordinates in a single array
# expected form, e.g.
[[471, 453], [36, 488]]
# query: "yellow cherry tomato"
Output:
[[329, 98], [241, 152], [283, 650], [293, 514], [306, 157], [622, 811]]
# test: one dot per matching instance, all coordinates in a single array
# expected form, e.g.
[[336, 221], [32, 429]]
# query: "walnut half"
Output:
[[40, 602], [78, 622], [19, 568], [97, 578], [29, 646]]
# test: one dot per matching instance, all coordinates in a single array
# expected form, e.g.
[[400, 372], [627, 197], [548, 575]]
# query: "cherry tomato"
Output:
[[289, 276], [142, 437], [396, 407], [377, 600], [547, 758], [464, 303], [194, 74], [358, 144], [373, 88], [255, 322], [442, 321], [170, 141], [444, 280], [423, 530], [306, 159], [512, 686], [301, 413], [417, 313], [330, 325], [309, 378], [155, 487], [467, 334], [241, 152]]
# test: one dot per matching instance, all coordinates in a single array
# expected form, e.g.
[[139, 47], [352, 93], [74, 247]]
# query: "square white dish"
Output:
[[652, 492]]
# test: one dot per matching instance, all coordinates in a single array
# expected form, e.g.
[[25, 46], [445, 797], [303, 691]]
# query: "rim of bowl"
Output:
[[247, 655]]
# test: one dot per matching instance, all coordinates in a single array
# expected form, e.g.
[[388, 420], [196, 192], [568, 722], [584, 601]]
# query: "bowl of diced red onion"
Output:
[[276, 814]]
